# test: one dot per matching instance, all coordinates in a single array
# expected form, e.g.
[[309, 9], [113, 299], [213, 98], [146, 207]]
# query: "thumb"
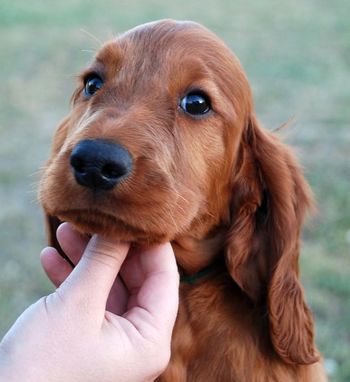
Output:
[[95, 273]]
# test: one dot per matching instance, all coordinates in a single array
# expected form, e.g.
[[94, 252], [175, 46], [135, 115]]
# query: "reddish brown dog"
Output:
[[163, 144]]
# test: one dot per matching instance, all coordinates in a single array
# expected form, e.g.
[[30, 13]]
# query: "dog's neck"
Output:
[[194, 254]]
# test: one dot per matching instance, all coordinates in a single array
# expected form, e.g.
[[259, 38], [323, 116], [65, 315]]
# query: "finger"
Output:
[[56, 268], [93, 277], [158, 294], [118, 298], [72, 242], [132, 271]]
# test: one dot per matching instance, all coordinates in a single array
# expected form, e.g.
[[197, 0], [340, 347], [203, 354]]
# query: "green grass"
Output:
[[297, 56]]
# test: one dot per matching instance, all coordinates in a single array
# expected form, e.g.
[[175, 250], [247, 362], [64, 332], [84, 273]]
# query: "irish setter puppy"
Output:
[[162, 144]]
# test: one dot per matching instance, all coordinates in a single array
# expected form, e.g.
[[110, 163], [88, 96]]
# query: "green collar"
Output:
[[196, 277]]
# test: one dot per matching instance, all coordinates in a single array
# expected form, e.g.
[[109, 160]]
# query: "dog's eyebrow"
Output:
[[106, 62], [96, 67], [110, 54]]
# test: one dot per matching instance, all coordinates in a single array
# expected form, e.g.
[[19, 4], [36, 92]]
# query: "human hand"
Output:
[[71, 336]]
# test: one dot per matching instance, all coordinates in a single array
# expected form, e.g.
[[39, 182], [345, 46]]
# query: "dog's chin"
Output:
[[97, 222]]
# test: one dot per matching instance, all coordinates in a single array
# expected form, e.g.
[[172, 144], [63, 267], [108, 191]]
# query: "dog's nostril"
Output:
[[113, 171], [78, 164], [99, 164]]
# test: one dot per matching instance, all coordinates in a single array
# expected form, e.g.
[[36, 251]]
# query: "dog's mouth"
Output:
[[91, 221]]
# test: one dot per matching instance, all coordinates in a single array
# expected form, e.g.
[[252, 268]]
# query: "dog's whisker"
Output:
[[93, 37], [90, 51]]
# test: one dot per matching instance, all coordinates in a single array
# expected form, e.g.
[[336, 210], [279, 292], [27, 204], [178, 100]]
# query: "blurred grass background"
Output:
[[297, 56]]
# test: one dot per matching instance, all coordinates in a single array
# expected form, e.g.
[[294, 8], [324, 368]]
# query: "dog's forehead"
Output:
[[163, 43]]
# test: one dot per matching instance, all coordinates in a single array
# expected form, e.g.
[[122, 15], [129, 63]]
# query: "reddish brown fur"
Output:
[[217, 187]]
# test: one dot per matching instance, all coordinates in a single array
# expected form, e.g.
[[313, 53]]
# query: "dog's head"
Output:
[[148, 149], [162, 143]]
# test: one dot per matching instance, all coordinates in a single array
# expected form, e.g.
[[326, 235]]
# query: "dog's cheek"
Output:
[[56, 189]]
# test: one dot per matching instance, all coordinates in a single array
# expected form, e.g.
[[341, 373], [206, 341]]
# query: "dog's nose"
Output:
[[100, 164]]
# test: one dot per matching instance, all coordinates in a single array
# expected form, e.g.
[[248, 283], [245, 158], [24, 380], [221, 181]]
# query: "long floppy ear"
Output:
[[269, 200]]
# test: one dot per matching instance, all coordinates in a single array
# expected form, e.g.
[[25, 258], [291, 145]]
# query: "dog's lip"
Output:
[[94, 221], [87, 214], [85, 221]]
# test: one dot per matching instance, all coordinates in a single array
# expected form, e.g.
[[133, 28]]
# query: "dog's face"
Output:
[[167, 101]]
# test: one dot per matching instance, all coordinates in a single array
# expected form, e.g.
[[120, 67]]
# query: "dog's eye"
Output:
[[93, 83], [195, 103]]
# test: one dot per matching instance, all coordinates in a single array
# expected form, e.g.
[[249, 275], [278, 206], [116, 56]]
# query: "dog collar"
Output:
[[196, 277]]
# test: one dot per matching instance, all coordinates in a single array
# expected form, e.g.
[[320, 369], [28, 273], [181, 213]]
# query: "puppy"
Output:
[[162, 144]]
